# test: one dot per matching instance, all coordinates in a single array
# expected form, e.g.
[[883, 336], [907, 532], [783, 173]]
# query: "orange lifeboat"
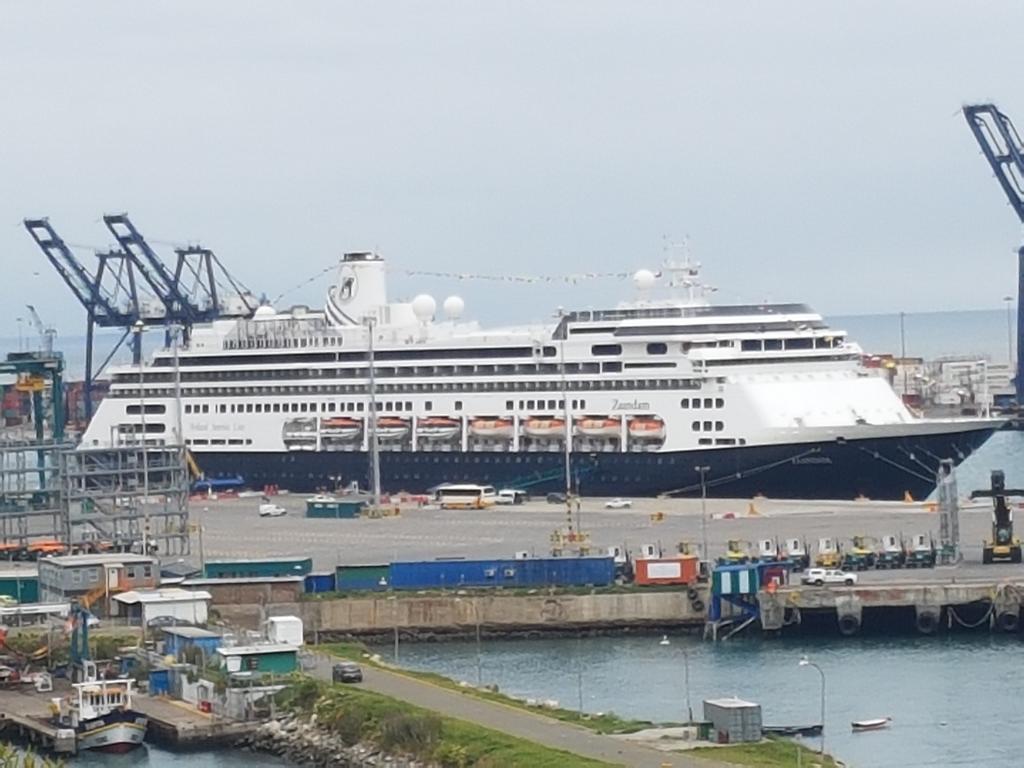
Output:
[[591, 426], [545, 428], [491, 429], [647, 428], [392, 428], [341, 427], [438, 428]]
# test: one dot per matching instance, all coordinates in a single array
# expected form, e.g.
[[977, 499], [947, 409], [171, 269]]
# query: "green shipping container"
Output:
[[350, 578], [24, 589], [270, 567], [342, 509]]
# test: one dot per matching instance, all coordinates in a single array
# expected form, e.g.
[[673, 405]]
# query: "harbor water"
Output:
[[954, 700], [149, 756]]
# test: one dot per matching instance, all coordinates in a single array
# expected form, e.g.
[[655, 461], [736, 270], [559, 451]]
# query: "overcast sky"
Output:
[[811, 151]]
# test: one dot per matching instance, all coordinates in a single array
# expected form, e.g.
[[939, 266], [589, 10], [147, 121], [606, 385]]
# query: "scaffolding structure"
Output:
[[30, 489], [128, 495]]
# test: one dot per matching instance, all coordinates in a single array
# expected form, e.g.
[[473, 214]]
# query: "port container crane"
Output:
[[46, 332], [132, 284], [1004, 151]]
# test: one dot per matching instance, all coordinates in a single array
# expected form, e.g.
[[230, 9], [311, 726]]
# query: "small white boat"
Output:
[[875, 724]]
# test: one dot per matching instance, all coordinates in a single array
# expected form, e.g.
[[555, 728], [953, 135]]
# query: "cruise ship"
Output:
[[663, 394]]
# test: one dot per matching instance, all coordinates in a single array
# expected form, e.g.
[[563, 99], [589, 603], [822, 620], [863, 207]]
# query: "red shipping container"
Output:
[[674, 570]]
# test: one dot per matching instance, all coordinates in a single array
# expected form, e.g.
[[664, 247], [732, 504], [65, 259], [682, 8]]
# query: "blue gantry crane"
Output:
[[1004, 150], [132, 284]]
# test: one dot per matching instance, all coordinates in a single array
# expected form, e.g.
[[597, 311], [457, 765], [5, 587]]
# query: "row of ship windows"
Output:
[[384, 372], [490, 386], [218, 441], [708, 402], [350, 407], [708, 426]]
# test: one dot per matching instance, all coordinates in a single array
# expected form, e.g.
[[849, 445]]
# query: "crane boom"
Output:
[[85, 286], [1002, 147], [155, 272], [1004, 151]]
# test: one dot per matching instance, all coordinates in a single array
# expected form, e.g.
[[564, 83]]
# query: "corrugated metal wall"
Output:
[[532, 572]]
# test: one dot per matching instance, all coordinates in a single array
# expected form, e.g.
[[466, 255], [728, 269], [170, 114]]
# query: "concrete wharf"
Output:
[[25, 715], [932, 604]]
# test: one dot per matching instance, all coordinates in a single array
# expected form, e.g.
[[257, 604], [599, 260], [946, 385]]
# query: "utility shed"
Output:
[[264, 659], [20, 581], [149, 606], [177, 640], [733, 720]]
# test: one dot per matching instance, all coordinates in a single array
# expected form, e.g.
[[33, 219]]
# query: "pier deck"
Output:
[[25, 713], [997, 603]]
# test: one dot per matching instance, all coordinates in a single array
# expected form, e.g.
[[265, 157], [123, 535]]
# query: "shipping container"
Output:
[[20, 582], [271, 566], [362, 577], [529, 572], [674, 570], [316, 583], [342, 509]]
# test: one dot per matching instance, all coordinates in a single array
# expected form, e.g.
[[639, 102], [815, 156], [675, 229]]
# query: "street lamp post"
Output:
[[1009, 332], [805, 662], [703, 470], [371, 323], [138, 329], [686, 677]]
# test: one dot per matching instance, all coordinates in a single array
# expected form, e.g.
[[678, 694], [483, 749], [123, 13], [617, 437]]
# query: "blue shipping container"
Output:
[[319, 582], [532, 572]]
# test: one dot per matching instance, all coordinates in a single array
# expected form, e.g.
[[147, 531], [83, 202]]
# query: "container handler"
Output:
[[829, 553], [892, 553], [922, 553], [737, 552], [797, 553], [768, 551], [861, 555], [1003, 546]]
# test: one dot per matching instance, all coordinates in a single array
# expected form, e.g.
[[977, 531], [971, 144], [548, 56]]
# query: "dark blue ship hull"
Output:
[[882, 468]]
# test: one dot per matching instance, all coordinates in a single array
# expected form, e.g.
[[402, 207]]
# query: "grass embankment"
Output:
[[774, 752], [607, 722], [358, 716]]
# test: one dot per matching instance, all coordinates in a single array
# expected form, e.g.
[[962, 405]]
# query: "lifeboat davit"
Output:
[[438, 428], [590, 426], [392, 428], [548, 428], [341, 427], [492, 429], [647, 428]]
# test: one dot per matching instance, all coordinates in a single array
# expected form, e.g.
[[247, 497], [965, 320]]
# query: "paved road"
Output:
[[516, 722]]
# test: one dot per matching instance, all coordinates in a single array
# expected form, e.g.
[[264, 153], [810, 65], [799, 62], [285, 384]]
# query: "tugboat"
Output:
[[98, 710]]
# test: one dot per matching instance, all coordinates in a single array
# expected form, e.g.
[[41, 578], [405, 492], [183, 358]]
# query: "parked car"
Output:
[[272, 510], [821, 576], [618, 504], [556, 498], [347, 672], [510, 496]]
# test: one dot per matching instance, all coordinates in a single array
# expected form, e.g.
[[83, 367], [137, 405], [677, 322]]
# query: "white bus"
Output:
[[466, 496]]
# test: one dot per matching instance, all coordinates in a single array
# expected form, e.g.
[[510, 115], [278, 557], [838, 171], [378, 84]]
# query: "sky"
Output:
[[808, 151]]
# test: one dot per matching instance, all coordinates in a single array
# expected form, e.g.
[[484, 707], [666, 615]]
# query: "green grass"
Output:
[[607, 722], [401, 728], [771, 753]]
